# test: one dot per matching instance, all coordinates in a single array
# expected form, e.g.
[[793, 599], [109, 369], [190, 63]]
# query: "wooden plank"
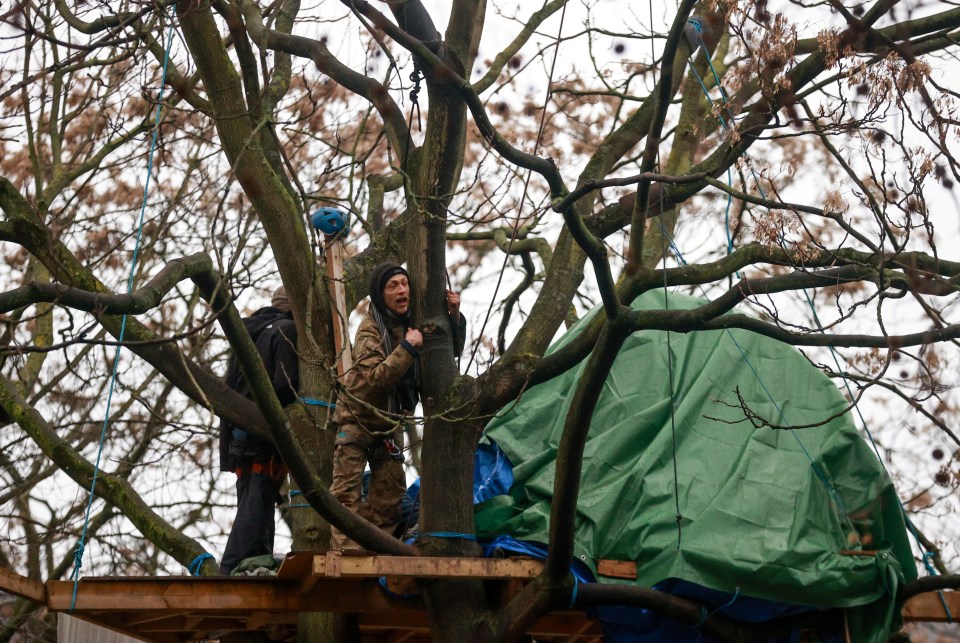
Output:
[[297, 565], [205, 594], [333, 564], [617, 568], [330, 563], [143, 618], [13, 583], [928, 607], [413, 621], [229, 596], [338, 297], [555, 624], [165, 609], [565, 624]]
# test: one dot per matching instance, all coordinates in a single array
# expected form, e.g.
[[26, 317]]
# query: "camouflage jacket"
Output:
[[373, 378]]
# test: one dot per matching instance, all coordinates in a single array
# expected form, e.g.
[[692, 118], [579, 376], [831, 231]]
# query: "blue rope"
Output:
[[299, 505], [730, 181], [573, 594], [733, 599], [931, 570], [197, 563], [78, 555], [705, 615], [821, 475], [816, 468], [926, 555], [314, 402], [455, 535], [726, 126]]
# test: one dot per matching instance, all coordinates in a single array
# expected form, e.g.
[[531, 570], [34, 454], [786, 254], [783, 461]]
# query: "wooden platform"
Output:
[[184, 608]]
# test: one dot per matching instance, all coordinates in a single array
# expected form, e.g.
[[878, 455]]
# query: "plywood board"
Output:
[[333, 565], [626, 569]]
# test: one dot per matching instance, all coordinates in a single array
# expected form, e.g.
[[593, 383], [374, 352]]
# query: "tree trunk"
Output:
[[455, 606], [311, 532]]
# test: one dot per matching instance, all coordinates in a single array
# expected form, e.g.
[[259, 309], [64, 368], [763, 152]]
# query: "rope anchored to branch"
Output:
[[78, 555]]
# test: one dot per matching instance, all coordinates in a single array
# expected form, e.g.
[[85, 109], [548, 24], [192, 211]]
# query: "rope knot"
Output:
[[693, 32], [197, 565]]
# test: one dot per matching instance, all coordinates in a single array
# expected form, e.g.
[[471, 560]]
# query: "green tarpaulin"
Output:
[[779, 514]]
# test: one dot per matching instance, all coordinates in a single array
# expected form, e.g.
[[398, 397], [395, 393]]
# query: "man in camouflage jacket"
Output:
[[382, 388]]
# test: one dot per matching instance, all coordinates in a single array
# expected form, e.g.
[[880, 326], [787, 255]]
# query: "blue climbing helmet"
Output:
[[329, 221]]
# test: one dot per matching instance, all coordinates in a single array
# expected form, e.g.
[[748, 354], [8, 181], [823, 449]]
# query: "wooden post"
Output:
[[13, 583], [338, 297]]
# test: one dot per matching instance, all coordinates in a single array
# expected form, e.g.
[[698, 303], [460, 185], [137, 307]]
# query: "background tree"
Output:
[[568, 156]]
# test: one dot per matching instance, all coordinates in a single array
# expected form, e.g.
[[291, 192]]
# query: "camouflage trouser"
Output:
[[354, 448]]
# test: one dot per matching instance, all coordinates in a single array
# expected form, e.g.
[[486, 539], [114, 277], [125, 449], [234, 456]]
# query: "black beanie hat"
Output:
[[379, 277]]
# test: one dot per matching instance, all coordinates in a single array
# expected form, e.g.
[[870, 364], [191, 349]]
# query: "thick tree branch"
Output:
[[689, 612], [280, 214], [929, 584], [903, 30], [196, 382], [442, 72], [569, 461], [651, 151], [141, 301], [326, 62], [920, 271], [798, 339], [530, 26], [115, 490]]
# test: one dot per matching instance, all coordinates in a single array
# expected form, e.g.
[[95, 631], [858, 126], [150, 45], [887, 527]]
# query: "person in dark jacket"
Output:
[[260, 471], [382, 389]]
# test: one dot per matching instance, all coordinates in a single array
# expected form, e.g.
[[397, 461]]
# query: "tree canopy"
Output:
[[794, 163]]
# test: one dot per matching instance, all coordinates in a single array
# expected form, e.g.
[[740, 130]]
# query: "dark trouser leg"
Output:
[[253, 528]]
